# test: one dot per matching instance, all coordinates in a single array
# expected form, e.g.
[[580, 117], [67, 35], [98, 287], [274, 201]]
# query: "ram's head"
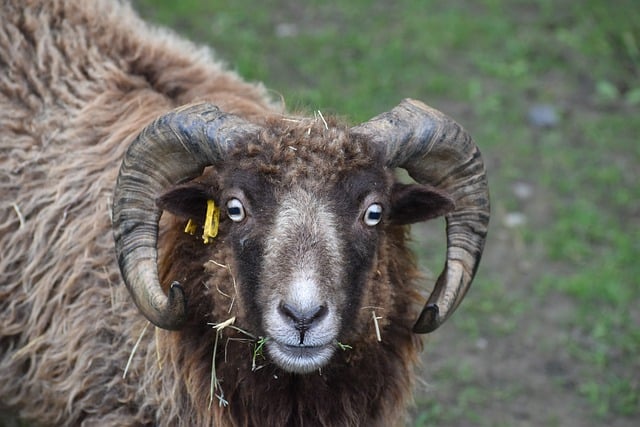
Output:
[[304, 215]]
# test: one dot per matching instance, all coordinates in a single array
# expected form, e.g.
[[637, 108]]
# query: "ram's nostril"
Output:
[[303, 318], [320, 312]]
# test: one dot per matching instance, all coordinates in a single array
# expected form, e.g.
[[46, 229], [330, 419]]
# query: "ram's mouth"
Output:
[[300, 359]]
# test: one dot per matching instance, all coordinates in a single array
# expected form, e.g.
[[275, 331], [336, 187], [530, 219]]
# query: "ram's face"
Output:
[[304, 252], [305, 221]]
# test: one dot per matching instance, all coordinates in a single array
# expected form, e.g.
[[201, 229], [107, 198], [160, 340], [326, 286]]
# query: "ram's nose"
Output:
[[302, 318]]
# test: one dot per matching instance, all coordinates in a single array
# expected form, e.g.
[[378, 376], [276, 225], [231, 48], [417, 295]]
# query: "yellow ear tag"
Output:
[[211, 222], [191, 227]]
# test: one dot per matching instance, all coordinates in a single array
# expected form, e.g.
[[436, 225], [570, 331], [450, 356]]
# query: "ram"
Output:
[[261, 274]]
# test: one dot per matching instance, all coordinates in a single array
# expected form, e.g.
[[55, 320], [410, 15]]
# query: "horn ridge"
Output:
[[436, 150], [174, 148]]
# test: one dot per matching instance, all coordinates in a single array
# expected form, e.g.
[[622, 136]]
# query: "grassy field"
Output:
[[550, 332]]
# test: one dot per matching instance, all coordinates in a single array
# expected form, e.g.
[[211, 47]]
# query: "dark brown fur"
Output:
[[78, 81]]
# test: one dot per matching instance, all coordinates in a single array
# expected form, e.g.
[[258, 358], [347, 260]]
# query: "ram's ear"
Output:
[[411, 203], [186, 200]]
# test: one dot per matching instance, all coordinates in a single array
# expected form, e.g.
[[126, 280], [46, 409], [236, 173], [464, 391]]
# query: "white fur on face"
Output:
[[302, 270]]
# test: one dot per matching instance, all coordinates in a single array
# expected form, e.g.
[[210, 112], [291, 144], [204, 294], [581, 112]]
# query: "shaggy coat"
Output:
[[77, 84]]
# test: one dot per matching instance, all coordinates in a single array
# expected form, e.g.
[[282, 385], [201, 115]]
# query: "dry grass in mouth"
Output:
[[215, 382], [215, 389]]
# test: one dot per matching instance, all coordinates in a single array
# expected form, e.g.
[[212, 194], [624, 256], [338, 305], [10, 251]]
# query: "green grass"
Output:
[[486, 63]]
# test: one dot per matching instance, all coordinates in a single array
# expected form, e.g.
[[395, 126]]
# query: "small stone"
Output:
[[285, 30], [515, 219], [543, 116], [482, 343], [522, 190]]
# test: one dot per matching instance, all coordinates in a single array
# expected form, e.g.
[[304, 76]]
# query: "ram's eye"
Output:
[[373, 214], [235, 210]]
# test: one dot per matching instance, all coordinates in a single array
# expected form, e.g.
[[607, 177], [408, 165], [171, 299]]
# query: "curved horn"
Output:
[[174, 148], [435, 149]]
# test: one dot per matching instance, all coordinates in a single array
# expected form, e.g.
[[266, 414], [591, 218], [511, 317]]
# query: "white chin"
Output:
[[299, 359]]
